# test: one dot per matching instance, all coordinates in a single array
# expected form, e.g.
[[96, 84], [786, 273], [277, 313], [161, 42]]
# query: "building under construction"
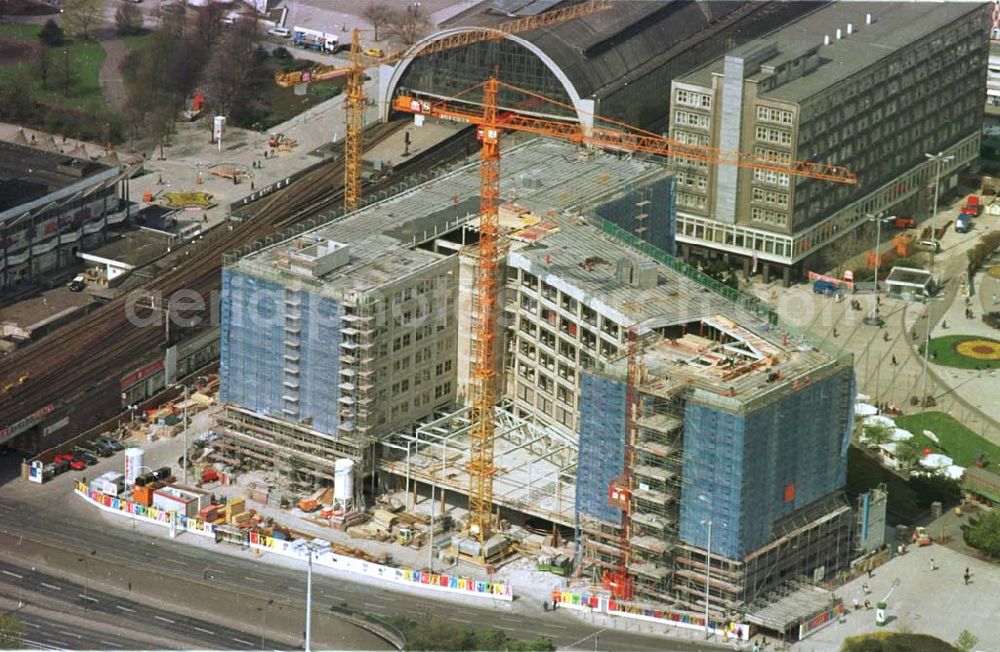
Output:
[[732, 425]]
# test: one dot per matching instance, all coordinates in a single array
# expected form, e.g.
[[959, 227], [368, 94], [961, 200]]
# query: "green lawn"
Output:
[[957, 442], [943, 352], [84, 59], [134, 42]]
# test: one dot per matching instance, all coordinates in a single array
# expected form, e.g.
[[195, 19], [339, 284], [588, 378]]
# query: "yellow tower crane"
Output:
[[359, 61]]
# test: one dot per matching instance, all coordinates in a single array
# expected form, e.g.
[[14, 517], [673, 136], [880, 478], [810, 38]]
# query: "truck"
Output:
[[972, 208], [903, 222], [963, 223], [312, 39]]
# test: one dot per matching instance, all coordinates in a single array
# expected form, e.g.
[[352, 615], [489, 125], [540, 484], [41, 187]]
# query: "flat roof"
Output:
[[895, 25], [548, 176], [27, 173]]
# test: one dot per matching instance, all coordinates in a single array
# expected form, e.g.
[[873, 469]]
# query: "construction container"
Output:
[[343, 480]]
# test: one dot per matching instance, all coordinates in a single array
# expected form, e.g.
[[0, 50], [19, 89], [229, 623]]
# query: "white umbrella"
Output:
[[864, 410], [936, 461], [901, 435]]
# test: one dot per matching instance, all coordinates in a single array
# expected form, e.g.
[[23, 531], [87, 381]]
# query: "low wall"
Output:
[[466, 587]]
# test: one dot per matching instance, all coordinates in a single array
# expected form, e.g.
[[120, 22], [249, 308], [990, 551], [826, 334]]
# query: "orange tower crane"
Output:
[[358, 62], [618, 136]]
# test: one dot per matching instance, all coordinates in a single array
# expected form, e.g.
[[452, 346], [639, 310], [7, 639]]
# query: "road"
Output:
[[40, 528], [23, 582]]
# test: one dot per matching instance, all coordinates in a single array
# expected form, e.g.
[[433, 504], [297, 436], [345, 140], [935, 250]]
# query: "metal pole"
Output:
[[878, 259], [309, 598], [185, 475], [708, 576], [86, 582], [938, 159]]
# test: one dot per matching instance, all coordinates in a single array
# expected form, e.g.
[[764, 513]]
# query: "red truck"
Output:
[[903, 222], [972, 207]]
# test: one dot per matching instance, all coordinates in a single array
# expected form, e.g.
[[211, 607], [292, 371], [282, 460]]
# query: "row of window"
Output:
[[771, 197], [691, 119], [770, 114], [774, 218], [689, 138], [691, 98], [772, 177], [774, 135], [690, 200], [691, 180]]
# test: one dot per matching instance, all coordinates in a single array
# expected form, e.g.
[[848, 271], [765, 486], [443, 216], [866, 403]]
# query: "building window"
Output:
[[772, 177], [772, 197], [691, 119], [689, 138], [772, 155], [772, 135], [545, 383], [690, 200], [770, 114], [690, 98], [768, 217]]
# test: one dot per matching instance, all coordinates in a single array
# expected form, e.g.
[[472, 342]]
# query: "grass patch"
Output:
[[276, 104], [957, 441], [894, 642], [84, 59], [135, 41], [948, 351]]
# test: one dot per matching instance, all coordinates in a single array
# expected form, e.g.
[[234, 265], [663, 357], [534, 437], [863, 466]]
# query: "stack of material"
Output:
[[241, 518], [382, 520], [201, 400], [234, 507], [258, 492], [210, 513]]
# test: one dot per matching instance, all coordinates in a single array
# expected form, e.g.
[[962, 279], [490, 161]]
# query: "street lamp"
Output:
[[184, 464], [938, 159], [86, 578], [263, 621], [310, 548], [878, 219]]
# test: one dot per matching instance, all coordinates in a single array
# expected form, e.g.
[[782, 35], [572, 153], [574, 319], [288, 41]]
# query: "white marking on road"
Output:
[[109, 643], [41, 645], [61, 644], [205, 631], [87, 597], [51, 586], [7, 572], [463, 620], [118, 606], [254, 579], [297, 589], [240, 640], [32, 625], [166, 620], [553, 626]]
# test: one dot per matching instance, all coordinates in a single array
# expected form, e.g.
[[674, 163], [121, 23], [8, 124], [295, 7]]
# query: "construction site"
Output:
[[690, 405]]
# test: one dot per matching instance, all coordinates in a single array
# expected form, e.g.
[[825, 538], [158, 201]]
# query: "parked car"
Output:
[[374, 53], [963, 223], [929, 245], [78, 283], [111, 443], [101, 448], [280, 32], [62, 457], [77, 464], [826, 287], [87, 456]]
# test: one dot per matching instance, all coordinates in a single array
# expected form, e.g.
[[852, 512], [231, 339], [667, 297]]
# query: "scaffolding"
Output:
[[536, 464]]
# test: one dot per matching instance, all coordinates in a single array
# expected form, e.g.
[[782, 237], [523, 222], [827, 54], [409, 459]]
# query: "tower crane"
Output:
[[358, 61], [617, 136]]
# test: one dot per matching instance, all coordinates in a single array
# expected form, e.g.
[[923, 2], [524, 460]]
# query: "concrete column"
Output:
[[786, 274], [766, 271], [746, 269]]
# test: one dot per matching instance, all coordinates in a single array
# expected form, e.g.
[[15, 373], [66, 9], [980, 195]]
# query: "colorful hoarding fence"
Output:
[[432, 581], [821, 619], [728, 630], [572, 600]]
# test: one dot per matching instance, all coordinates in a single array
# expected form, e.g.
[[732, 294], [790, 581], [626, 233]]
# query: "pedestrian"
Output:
[[933, 565], [864, 587], [857, 603], [868, 604], [994, 299], [545, 605], [913, 334], [967, 576], [885, 336], [835, 331], [893, 361]]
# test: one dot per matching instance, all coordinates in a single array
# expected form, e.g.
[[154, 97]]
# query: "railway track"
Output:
[[105, 342], [105, 345]]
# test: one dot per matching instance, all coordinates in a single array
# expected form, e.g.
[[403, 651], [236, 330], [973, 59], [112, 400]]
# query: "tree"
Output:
[[983, 533], [966, 641], [377, 15], [44, 62], [877, 433], [908, 452], [228, 71], [128, 19], [51, 34], [81, 14], [11, 631], [407, 24]]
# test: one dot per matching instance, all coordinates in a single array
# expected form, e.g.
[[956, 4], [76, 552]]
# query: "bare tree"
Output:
[[229, 67], [81, 14], [44, 66], [128, 19], [377, 15], [408, 24]]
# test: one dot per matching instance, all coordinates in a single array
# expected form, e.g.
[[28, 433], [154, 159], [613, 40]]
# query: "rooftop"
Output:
[[545, 176], [894, 26], [27, 174]]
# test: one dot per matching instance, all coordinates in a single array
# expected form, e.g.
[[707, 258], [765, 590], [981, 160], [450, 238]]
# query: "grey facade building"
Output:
[[52, 207], [870, 86]]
